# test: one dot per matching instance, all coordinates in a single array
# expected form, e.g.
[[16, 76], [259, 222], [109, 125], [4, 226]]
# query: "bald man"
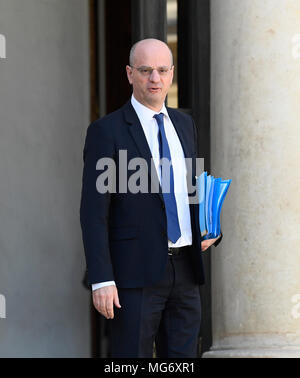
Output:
[[143, 247]]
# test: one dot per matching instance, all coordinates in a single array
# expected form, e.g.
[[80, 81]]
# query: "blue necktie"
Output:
[[169, 198]]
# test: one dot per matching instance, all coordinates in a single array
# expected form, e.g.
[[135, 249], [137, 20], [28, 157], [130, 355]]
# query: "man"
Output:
[[143, 250]]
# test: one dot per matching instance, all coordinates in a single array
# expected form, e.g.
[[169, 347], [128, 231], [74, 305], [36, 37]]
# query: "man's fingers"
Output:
[[99, 299], [205, 244], [110, 308], [116, 299], [100, 304], [104, 300], [111, 302]]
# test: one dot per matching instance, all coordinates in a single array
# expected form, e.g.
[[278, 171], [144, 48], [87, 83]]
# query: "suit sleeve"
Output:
[[94, 207]]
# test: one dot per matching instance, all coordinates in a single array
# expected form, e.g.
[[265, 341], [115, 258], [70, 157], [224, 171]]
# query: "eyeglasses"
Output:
[[147, 71]]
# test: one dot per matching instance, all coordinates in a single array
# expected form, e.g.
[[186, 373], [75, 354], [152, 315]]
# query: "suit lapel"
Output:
[[185, 140], [180, 132], [188, 150], [137, 133]]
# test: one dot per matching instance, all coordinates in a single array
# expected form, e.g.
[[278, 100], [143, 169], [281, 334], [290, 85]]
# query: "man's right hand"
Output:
[[104, 300]]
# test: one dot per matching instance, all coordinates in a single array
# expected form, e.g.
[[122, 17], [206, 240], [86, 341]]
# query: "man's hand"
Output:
[[207, 243], [104, 300]]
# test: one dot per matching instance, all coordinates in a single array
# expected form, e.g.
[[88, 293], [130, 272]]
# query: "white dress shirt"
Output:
[[150, 127]]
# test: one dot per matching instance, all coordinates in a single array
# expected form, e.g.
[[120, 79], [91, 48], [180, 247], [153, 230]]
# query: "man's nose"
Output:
[[154, 77]]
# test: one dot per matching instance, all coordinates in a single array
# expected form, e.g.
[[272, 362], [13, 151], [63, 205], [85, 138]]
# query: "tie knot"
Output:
[[159, 117]]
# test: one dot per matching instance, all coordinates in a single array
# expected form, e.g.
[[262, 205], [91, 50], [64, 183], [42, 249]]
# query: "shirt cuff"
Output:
[[102, 284]]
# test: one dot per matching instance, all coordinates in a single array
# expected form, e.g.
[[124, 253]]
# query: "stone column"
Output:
[[256, 142], [44, 114]]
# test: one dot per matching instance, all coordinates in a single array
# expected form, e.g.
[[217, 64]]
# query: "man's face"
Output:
[[151, 88]]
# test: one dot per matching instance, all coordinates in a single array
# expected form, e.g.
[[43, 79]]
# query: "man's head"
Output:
[[150, 72]]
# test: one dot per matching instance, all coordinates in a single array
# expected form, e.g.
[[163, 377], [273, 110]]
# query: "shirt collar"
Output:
[[143, 112]]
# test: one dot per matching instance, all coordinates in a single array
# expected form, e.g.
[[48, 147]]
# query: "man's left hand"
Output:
[[208, 243]]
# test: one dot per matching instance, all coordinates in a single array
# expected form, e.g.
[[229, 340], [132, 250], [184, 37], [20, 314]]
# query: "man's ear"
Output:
[[129, 74]]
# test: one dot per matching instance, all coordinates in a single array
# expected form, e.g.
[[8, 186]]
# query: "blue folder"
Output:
[[211, 194]]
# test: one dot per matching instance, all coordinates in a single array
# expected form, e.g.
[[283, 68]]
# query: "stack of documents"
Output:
[[211, 194]]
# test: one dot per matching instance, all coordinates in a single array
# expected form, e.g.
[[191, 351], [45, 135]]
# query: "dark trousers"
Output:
[[168, 313]]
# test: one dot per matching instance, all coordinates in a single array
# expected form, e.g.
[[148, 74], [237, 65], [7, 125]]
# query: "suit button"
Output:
[[164, 234], [163, 206]]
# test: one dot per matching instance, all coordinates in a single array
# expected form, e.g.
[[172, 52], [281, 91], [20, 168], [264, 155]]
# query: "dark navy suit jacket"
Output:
[[125, 234]]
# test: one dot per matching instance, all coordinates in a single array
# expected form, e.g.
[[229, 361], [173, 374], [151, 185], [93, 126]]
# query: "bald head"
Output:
[[150, 44], [150, 72]]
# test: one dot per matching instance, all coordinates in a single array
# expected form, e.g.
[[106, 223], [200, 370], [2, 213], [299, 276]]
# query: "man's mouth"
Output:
[[154, 89]]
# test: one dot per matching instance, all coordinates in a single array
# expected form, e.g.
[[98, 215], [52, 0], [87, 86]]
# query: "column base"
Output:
[[252, 353]]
